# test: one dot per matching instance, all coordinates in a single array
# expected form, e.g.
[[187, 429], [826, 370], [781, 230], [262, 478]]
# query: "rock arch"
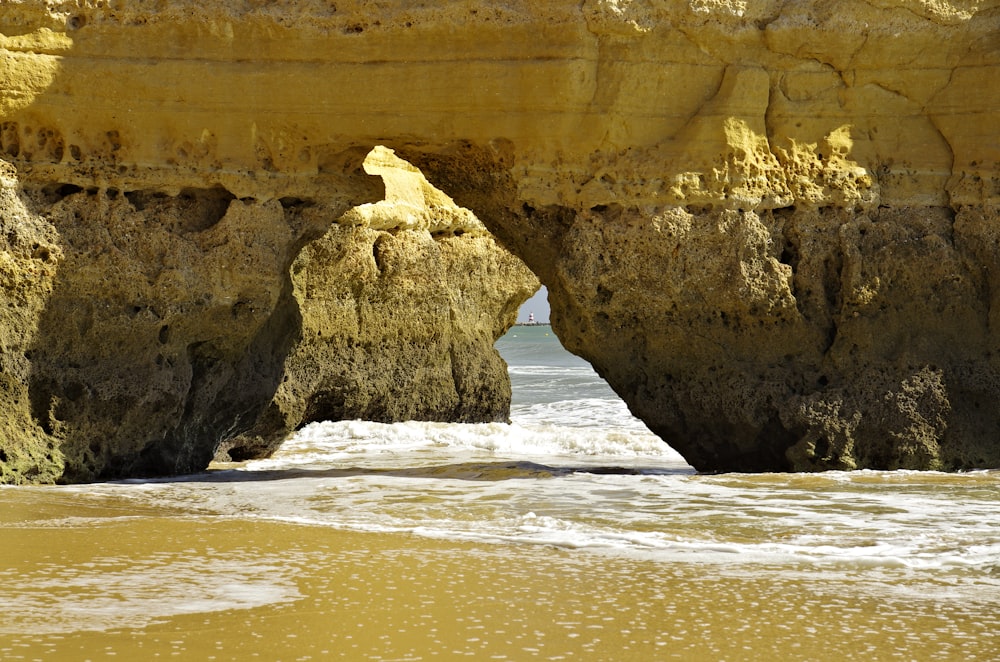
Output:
[[775, 242]]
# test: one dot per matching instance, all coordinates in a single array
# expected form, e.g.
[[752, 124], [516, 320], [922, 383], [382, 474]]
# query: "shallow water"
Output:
[[572, 533]]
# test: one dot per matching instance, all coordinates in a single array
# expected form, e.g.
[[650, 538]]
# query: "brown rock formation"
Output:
[[771, 226], [148, 331], [401, 302]]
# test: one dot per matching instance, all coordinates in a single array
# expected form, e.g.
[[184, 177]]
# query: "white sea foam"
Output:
[[552, 373], [369, 443], [500, 484], [621, 495], [114, 592], [579, 472], [574, 472]]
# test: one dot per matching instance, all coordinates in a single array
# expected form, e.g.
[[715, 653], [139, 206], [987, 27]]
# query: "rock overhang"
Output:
[[760, 222]]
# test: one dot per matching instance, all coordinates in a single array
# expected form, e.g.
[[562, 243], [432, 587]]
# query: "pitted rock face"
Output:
[[400, 304], [771, 226]]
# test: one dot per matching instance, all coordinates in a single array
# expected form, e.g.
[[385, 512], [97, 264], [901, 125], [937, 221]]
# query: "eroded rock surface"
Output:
[[401, 302], [771, 226], [148, 332]]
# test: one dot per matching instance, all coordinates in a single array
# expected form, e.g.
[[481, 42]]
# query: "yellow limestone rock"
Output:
[[770, 225], [401, 302], [411, 202]]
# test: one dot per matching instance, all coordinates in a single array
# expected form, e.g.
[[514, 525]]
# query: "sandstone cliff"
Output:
[[148, 331], [771, 226], [401, 302]]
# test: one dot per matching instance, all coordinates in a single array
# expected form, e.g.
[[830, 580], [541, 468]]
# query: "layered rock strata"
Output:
[[772, 227]]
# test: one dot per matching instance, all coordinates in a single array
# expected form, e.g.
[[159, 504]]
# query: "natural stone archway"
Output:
[[401, 302], [771, 227], [785, 339], [158, 330]]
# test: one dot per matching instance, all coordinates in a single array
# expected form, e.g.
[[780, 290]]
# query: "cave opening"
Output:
[[536, 308], [550, 387], [414, 314]]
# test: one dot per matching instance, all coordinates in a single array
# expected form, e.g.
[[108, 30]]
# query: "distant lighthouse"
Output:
[[531, 318]]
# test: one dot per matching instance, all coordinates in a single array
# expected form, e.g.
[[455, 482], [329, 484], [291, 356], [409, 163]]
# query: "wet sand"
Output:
[[163, 586]]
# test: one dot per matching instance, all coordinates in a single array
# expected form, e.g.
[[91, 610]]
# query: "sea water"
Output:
[[571, 533]]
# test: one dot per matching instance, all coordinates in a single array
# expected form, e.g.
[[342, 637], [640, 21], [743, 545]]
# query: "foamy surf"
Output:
[[612, 494], [574, 488], [375, 444]]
